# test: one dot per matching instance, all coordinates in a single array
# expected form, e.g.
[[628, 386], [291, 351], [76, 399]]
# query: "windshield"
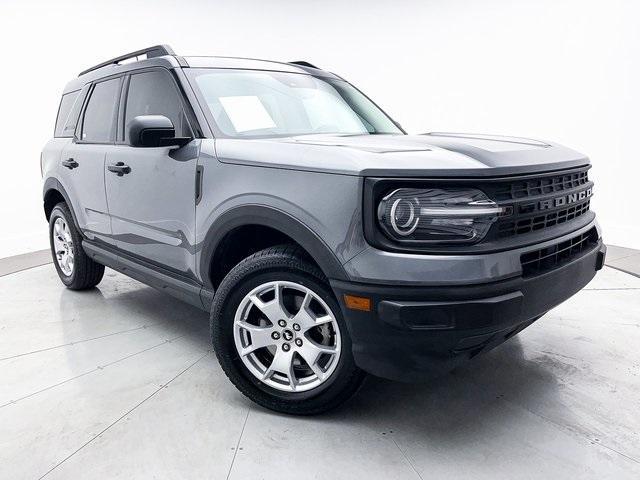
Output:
[[250, 103]]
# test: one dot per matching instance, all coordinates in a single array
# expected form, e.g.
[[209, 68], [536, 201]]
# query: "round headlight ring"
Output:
[[411, 223]]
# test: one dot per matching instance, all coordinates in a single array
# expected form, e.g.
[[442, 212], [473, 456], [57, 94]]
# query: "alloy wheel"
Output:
[[63, 246], [287, 336]]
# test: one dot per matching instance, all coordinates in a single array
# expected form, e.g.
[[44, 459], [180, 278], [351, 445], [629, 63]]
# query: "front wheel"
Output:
[[279, 334]]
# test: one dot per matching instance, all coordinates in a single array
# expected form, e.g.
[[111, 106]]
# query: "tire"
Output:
[[83, 273], [304, 390]]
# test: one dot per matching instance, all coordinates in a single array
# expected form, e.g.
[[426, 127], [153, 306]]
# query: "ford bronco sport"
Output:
[[324, 240]]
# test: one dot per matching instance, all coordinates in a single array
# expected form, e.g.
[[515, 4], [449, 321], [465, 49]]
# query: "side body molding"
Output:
[[274, 218]]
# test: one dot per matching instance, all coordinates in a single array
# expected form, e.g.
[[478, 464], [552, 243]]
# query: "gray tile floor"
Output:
[[17, 263], [624, 259], [120, 382]]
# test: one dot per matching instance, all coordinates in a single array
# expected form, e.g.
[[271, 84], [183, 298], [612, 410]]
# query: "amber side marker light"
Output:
[[357, 303]]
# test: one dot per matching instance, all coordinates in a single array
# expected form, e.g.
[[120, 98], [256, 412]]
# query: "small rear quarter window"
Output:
[[67, 115]]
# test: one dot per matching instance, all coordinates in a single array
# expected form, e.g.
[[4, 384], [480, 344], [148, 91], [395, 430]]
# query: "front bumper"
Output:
[[417, 332]]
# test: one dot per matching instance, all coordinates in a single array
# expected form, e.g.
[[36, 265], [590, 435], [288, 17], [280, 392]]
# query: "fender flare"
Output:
[[52, 183], [274, 218]]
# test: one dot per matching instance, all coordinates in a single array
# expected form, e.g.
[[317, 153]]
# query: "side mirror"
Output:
[[154, 131]]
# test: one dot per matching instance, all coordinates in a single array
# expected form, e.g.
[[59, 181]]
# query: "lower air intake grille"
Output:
[[549, 258]]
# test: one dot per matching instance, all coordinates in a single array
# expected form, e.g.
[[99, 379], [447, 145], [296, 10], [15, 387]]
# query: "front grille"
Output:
[[542, 186], [531, 224], [549, 258], [540, 202]]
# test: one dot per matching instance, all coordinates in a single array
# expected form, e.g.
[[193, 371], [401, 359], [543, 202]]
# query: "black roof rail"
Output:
[[302, 63], [150, 52]]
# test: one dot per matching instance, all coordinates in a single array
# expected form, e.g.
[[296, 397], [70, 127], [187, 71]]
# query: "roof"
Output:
[[255, 64], [163, 56]]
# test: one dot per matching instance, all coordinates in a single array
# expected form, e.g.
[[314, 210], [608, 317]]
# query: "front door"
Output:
[[152, 205]]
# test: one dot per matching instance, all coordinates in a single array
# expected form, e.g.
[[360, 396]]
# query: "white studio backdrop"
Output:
[[565, 71]]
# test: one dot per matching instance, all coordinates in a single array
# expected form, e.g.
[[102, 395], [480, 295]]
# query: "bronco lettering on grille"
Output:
[[564, 200]]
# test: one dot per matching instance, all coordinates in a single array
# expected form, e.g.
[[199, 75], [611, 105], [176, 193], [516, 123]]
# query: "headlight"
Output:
[[437, 215]]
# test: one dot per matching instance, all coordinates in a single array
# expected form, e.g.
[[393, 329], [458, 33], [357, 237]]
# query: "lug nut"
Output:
[[296, 327], [299, 342], [282, 323], [286, 347], [275, 335]]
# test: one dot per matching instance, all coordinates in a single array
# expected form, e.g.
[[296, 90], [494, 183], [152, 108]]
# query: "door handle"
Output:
[[70, 163], [119, 168]]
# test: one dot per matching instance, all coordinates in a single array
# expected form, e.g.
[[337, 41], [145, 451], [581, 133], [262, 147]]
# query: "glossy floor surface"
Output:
[[120, 382]]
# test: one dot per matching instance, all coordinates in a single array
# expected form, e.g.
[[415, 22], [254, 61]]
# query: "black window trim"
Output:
[[122, 105], [77, 138]]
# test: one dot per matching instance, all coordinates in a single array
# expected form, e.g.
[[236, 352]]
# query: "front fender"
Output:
[[278, 220]]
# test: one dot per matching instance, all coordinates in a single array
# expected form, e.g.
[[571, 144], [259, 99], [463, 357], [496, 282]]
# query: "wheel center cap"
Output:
[[287, 335]]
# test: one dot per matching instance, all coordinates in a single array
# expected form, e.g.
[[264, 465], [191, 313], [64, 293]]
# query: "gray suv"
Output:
[[324, 240]]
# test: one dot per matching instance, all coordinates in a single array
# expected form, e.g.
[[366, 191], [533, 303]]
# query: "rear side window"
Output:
[[155, 93], [99, 116], [67, 115]]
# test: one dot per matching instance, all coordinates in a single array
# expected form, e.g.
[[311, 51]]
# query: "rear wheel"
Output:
[[75, 269], [279, 334]]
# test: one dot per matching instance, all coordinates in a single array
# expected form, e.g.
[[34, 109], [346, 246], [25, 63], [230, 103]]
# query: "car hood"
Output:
[[433, 154]]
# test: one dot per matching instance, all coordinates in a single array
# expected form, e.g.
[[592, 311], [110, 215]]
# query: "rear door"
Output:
[[152, 207], [83, 160]]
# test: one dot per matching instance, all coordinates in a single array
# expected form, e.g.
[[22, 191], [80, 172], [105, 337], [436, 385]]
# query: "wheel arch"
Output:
[[265, 219], [53, 193]]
